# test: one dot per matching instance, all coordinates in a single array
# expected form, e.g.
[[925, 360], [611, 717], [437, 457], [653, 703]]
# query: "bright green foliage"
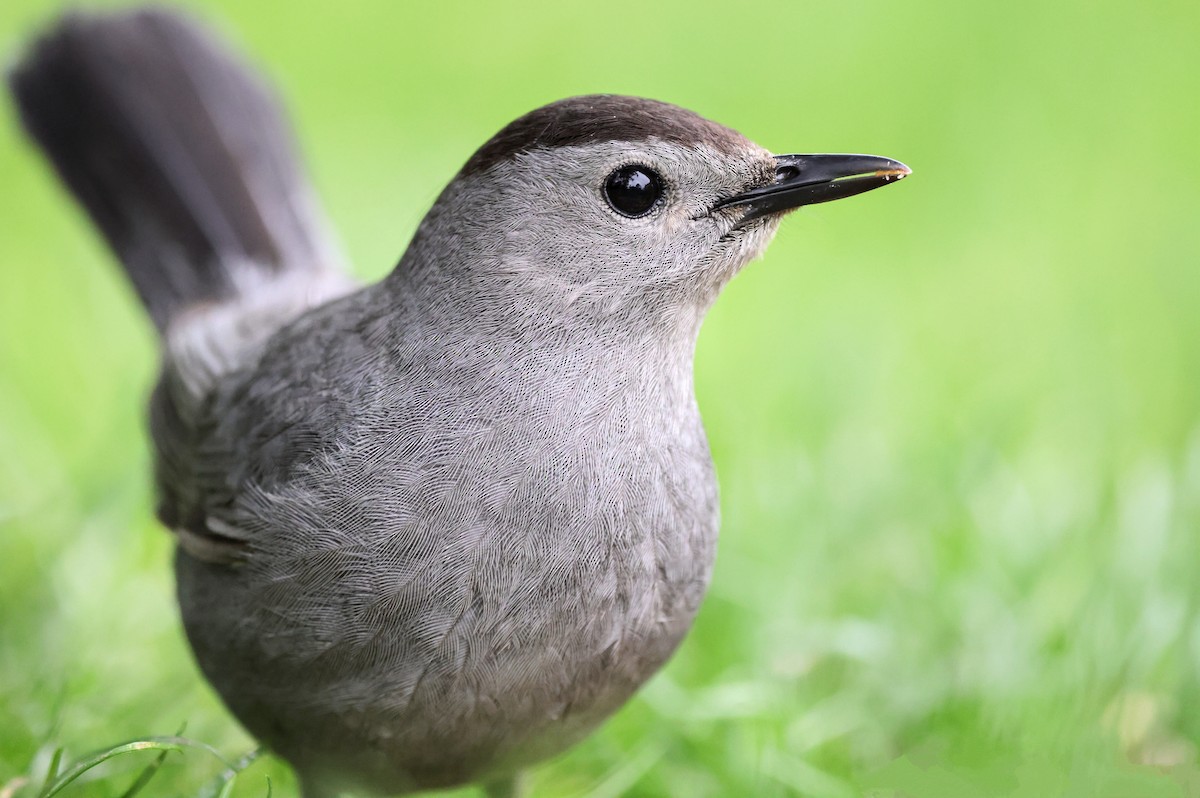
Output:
[[957, 421]]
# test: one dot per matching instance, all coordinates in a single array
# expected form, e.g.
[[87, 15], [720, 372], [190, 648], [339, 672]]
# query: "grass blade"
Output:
[[164, 744], [222, 785], [147, 773]]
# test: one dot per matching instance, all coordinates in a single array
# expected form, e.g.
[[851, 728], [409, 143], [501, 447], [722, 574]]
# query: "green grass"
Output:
[[957, 421]]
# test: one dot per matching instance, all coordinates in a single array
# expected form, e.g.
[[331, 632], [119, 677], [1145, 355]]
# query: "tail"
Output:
[[182, 157]]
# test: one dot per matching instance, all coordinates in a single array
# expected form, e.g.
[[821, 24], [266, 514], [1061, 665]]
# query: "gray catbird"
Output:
[[434, 529]]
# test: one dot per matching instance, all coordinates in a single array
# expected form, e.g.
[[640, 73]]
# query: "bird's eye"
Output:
[[633, 190]]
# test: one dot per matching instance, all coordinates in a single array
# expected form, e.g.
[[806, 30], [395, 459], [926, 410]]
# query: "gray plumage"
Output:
[[438, 528]]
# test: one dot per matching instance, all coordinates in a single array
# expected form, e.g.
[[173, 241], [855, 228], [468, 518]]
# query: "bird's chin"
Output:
[[748, 240], [730, 253]]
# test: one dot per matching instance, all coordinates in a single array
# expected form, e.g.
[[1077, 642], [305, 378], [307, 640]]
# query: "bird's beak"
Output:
[[809, 179]]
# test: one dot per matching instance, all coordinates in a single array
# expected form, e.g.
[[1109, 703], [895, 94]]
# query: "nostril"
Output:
[[786, 173]]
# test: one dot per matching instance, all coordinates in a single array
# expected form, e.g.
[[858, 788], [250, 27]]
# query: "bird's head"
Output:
[[612, 205]]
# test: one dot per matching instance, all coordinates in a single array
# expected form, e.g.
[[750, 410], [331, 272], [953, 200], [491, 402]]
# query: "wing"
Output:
[[279, 405]]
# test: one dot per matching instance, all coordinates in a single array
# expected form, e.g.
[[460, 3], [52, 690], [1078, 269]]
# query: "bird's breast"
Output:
[[463, 584]]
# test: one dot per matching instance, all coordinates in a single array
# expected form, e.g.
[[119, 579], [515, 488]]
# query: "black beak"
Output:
[[809, 179]]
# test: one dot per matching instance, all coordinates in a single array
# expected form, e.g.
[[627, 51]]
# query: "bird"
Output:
[[434, 529]]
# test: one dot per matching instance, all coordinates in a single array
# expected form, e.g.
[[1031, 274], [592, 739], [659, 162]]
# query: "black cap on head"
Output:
[[602, 117]]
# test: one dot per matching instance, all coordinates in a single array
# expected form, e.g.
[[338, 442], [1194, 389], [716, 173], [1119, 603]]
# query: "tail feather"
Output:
[[180, 154]]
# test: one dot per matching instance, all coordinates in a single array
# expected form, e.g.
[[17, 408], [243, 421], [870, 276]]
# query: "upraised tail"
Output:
[[182, 157]]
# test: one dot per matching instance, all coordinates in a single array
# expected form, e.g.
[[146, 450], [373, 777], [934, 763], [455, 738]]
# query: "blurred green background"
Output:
[[957, 421]]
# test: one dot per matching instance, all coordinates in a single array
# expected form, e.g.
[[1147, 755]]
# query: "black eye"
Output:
[[633, 190]]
